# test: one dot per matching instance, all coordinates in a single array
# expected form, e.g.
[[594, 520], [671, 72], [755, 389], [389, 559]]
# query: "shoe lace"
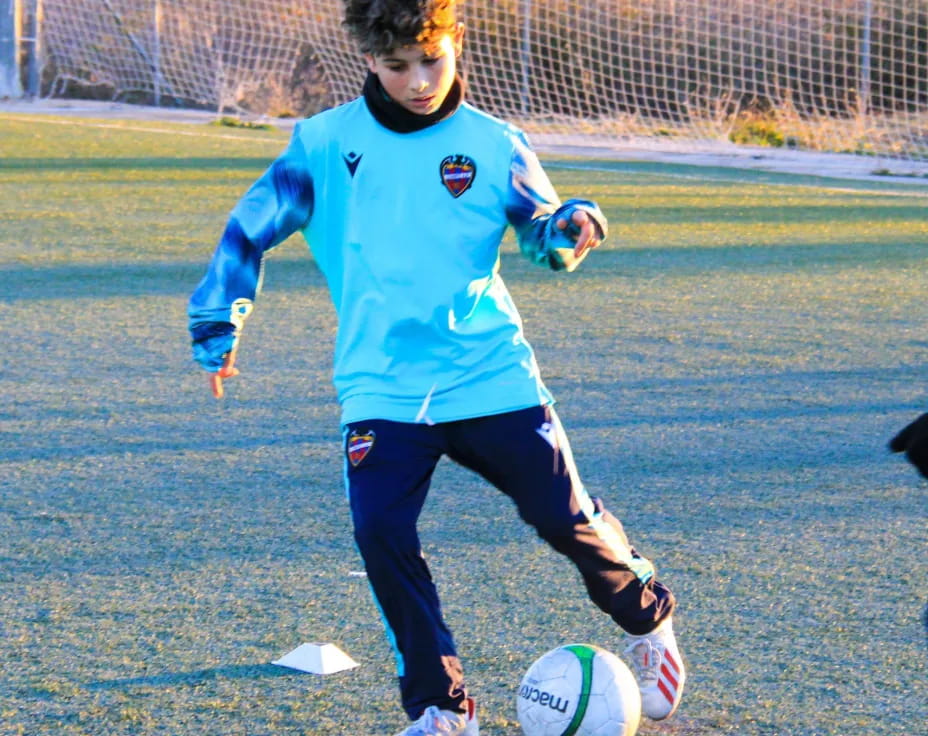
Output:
[[645, 658], [431, 723]]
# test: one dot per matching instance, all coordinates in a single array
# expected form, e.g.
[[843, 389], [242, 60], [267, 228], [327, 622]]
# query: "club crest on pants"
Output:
[[359, 444]]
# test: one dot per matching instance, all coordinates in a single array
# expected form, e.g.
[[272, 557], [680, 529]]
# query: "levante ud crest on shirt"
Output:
[[458, 173]]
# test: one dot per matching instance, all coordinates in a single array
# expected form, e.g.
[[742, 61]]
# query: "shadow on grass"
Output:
[[925, 621], [101, 281], [197, 677], [98, 439]]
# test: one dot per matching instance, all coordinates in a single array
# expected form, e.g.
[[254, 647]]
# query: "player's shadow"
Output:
[[196, 677], [96, 281], [925, 621]]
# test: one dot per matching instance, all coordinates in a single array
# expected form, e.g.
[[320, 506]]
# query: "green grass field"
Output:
[[730, 366]]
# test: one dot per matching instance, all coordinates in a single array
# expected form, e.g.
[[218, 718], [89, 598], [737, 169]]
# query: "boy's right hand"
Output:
[[227, 371]]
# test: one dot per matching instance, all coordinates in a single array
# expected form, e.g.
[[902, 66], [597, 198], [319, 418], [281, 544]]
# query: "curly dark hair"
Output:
[[379, 26]]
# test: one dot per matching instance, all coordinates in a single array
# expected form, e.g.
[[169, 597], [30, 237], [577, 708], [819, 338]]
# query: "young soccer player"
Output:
[[403, 196]]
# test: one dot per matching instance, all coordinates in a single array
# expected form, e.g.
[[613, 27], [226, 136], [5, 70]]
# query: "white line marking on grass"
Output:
[[137, 129], [570, 166], [734, 178]]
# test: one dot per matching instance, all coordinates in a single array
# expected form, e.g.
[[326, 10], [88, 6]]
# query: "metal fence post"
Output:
[[34, 37], [156, 53], [863, 89], [526, 6], [10, 30]]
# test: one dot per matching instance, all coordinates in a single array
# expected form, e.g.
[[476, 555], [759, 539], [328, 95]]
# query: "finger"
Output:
[[579, 218], [228, 365], [587, 239], [227, 370], [215, 385]]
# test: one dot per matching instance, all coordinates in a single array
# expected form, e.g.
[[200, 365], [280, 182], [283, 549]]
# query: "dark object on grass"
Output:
[[913, 440]]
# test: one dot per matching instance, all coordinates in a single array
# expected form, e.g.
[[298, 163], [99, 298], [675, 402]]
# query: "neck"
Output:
[[397, 118]]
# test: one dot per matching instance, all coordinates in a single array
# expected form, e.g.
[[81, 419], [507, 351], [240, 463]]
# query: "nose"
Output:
[[419, 82]]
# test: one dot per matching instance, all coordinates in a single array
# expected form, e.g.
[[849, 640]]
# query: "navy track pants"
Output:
[[524, 454]]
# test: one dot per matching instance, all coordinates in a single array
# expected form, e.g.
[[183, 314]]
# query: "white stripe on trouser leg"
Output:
[[642, 568]]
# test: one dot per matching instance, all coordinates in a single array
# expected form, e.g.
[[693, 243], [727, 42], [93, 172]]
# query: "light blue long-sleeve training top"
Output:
[[406, 228]]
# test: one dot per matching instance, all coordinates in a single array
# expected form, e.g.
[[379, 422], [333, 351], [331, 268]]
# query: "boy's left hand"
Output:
[[588, 237]]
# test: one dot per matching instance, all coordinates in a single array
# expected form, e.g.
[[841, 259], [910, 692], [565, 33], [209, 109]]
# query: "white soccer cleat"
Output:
[[659, 670], [435, 722]]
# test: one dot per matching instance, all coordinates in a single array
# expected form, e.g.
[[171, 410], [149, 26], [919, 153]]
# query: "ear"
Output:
[[371, 63], [458, 38]]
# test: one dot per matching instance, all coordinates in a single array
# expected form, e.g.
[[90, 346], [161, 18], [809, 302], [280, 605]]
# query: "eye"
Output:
[[396, 68], [429, 61]]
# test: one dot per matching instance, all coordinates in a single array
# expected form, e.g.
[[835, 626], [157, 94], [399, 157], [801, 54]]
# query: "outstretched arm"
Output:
[[277, 204]]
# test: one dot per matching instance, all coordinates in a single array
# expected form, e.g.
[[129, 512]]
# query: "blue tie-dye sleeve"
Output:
[[533, 207], [278, 204]]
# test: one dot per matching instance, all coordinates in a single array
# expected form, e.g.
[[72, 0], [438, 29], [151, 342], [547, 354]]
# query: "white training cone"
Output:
[[320, 659]]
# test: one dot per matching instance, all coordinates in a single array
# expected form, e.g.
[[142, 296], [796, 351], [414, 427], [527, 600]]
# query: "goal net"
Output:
[[829, 75]]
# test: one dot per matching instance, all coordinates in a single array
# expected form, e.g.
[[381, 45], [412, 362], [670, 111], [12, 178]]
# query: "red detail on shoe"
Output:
[[669, 658], [471, 706], [665, 671], [665, 691]]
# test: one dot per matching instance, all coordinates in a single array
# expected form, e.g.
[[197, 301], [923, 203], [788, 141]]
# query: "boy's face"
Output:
[[418, 77]]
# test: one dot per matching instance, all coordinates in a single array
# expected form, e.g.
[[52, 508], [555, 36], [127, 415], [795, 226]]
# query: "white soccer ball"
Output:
[[579, 690]]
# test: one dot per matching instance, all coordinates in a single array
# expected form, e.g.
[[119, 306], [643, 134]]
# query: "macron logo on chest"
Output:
[[352, 160]]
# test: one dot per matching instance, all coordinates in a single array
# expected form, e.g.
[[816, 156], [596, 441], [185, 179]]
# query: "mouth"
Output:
[[422, 103]]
